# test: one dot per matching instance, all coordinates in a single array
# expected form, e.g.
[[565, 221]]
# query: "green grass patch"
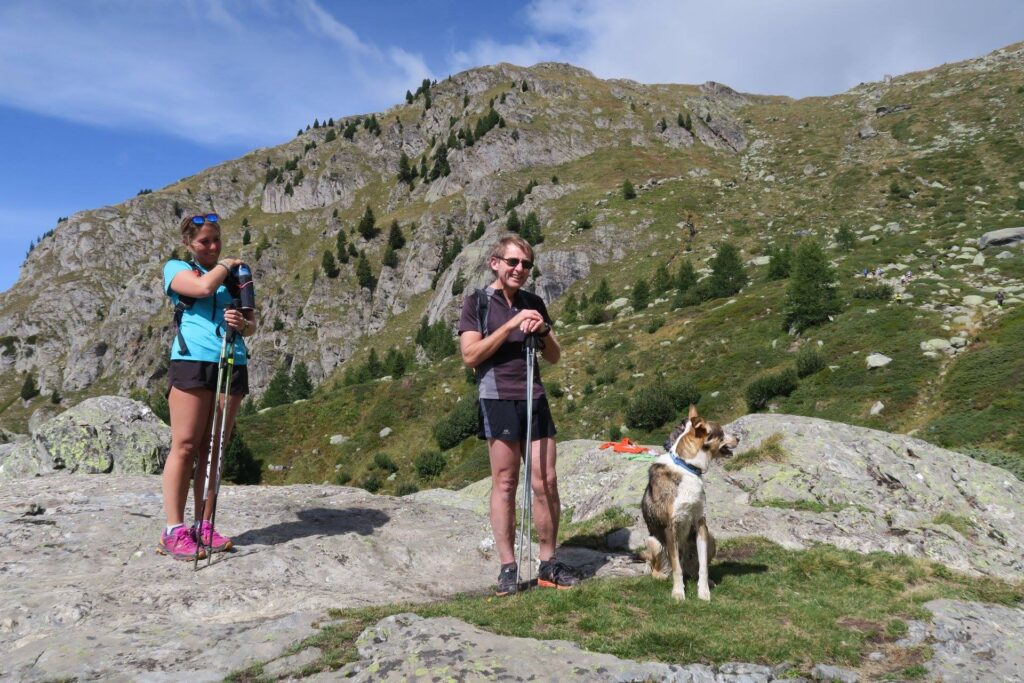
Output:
[[962, 525], [769, 450], [802, 607], [802, 505]]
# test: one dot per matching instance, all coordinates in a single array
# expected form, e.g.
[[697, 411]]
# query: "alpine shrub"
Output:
[[763, 389], [809, 361], [649, 408], [430, 464], [462, 422]]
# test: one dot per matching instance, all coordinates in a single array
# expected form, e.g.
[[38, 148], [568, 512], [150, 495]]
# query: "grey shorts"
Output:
[[199, 374]]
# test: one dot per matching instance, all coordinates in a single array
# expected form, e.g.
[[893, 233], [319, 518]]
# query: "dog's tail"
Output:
[[654, 554]]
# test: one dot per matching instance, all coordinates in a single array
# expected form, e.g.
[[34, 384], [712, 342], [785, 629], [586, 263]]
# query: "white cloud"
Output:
[[206, 70], [789, 47]]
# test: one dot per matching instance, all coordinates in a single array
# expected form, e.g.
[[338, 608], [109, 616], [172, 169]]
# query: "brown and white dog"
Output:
[[673, 503]]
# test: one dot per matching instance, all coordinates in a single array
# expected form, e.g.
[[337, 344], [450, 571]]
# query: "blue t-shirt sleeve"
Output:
[[172, 268]]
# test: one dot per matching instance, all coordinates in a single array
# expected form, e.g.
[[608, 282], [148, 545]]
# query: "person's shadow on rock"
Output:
[[317, 522]]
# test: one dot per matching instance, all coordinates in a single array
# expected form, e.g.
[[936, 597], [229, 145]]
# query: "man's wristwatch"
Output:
[[546, 332]]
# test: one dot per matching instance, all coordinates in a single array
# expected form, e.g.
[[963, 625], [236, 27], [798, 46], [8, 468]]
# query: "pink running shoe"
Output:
[[216, 543], [179, 544]]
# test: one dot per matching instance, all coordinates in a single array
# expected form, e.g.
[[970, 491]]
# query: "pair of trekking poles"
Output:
[[525, 540], [243, 299]]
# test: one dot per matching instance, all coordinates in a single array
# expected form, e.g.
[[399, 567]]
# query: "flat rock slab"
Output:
[[84, 595], [406, 647], [976, 642]]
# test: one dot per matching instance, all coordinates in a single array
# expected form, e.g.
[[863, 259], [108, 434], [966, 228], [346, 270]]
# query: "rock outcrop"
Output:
[[85, 596], [99, 435]]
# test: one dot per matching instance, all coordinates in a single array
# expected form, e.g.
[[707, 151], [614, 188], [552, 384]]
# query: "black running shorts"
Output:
[[506, 420], [199, 374]]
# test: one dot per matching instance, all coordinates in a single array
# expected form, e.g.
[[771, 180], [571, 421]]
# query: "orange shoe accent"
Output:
[[551, 584]]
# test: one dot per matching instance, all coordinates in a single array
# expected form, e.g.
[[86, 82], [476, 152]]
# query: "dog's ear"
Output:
[[693, 412], [700, 429]]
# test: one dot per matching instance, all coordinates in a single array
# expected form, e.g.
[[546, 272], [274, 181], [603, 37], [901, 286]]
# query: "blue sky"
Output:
[[101, 98]]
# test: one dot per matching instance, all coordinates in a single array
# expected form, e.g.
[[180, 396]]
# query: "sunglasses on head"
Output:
[[513, 262], [207, 218]]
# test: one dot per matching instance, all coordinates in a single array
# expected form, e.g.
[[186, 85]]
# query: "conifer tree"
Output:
[[277, 392], [246, 237], [441, 167], [628, 191], [390, 258], [368, 224], [812, 295], [396, 240], [686, 276], [29, 390], [408, 97], [301, 386], [662, 281], [423, 168], [394, 363], [329, 265], [405, 172], [688, 125], [779, 263], [531, 229], [363, 273], [373, 365], [603, 293], [845, 239], [727, 276], [513, 221], [341, 246], [640, 296]]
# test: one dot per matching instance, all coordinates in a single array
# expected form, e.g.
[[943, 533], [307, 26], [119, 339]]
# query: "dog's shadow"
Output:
[[720, 570], [317, 522]]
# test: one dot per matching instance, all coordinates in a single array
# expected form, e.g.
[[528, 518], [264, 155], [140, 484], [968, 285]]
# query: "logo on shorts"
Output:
[[505, 432]]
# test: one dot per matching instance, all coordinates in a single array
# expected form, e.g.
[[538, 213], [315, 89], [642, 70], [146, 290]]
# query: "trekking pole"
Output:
[[525, 542], [223, 398], [197, 523]]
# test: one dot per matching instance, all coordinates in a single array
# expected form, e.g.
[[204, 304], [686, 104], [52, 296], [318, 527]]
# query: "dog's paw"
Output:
[[704, 594], [678, 595], [658, 574]]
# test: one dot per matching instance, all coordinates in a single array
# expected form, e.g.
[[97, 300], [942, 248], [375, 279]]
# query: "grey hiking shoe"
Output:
[[554, 574], [508, 580]]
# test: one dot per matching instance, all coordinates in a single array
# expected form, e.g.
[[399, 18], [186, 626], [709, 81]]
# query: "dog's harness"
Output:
[[679, 461]]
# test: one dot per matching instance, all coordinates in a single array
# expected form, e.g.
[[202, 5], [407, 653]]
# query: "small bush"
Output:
[[462, 422], [596, 315], [868, 292], [430, 464], [383, 461], [809, 361], [649, 408], [686, 298], [405, 488], [614, 433], [681, 394], [763, 389], [554, 389], [655, 324], [342, 477], [371, 483], [628, 191]]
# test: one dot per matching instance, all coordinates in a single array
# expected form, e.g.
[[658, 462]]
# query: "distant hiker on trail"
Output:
[[492, 332], [197, 290], [1000, 297]]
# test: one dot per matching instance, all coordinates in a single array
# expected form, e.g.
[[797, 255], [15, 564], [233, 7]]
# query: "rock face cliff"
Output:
[[110, 322]]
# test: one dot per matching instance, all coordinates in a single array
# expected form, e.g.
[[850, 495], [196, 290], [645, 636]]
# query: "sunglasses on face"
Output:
[[208, 218], [513, 262]]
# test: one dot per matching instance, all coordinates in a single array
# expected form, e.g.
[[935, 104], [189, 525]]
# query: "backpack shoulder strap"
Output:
[[483, 303], [185, 303]]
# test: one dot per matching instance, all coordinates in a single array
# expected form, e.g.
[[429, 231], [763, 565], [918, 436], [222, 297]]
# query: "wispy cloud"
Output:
[[791, 47], [207, 70]]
